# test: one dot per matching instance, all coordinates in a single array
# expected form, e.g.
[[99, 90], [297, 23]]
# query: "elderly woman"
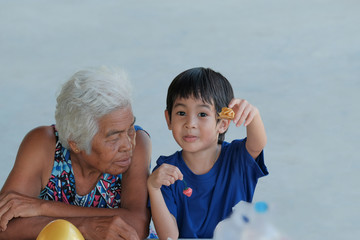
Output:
[[85, 169]]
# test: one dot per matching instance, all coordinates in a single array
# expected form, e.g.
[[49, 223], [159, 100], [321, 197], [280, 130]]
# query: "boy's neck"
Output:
[[202, 162]]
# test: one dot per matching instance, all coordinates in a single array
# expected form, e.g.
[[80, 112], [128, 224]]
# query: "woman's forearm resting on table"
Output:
[[31, 224], [92, 228], [135, 218]]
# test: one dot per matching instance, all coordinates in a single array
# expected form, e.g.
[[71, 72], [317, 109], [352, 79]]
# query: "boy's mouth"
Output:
[[190, 138]]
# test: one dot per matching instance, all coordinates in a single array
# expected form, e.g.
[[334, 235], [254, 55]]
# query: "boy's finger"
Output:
[[242, 119], [249, 119]]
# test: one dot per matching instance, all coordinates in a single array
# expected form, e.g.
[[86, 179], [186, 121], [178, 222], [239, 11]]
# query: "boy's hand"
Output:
[[166, 175], [244, 111]]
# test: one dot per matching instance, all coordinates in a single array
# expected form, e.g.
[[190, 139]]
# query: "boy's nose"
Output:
[[191, 122]]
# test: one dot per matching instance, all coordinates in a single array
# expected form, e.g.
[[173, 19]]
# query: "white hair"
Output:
[[86, 97]]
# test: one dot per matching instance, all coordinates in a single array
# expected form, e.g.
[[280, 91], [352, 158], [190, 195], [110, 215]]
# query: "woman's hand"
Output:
[[244, 111], [107, 228], [13, 205], [166, 175]]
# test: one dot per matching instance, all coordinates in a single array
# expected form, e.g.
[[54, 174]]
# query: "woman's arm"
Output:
[[24, 228], [92, 228], [33, 163], [134, 190]]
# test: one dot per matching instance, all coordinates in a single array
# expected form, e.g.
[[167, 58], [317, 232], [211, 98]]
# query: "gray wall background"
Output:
[[297, 61]]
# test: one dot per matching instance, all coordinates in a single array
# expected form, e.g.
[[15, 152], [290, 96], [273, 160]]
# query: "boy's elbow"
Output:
[[255, 150], [264, 142]]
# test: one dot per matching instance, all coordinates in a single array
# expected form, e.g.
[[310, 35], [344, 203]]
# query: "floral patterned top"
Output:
[[61, 185]]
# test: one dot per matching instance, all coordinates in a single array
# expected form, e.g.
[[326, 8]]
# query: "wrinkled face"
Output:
[[194, 125], [113, 145]]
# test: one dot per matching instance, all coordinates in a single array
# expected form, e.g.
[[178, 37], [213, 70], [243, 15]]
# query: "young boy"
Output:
[[220, 173]]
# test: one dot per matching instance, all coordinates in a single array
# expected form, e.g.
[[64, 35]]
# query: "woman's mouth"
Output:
[[123, 162]]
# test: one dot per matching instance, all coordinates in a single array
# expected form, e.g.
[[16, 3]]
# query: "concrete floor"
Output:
[[297, 61]]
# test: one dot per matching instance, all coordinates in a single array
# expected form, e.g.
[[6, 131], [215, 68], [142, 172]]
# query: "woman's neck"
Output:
[[86, 178]]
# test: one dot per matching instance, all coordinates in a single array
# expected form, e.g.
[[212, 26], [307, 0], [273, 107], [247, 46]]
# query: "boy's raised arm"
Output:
[[250, 116]]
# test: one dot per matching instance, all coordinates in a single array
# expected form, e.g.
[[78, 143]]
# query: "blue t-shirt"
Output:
[[232, 179]]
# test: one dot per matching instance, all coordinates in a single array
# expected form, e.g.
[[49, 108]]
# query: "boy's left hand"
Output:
[[166, 175], [244, 111]]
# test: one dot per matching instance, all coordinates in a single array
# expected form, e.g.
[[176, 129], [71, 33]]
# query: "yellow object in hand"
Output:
[[60, 230], [226, 113]]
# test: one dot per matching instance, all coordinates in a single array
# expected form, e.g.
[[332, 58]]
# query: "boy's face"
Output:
[[194, 124]]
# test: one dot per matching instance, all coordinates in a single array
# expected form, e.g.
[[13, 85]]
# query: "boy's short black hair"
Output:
[[201, 83]]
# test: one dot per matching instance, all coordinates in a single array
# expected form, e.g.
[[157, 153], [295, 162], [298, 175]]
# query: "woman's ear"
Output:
[[167, 117], [74, 147], [223, 125]]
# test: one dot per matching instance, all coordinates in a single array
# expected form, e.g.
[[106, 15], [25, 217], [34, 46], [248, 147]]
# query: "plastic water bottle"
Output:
[[258, 227], [248, 222], [231, 228]]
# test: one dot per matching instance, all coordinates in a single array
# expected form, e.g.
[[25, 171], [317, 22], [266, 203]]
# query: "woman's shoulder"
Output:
[[40, 139], [139, 129], [41, 133]]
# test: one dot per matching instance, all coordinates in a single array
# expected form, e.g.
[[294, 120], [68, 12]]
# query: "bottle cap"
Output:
[[261, 207]]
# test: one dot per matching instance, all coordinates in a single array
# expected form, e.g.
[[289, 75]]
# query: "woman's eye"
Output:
[[181, 113], [114, 139], [202, 114]]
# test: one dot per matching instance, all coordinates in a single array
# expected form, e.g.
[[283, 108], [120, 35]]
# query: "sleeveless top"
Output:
[[61, 186]]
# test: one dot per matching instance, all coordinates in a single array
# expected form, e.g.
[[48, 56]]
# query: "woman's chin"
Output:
[[120, 167]]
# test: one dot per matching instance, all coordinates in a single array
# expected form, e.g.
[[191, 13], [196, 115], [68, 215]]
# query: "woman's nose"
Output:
[[126, 144]]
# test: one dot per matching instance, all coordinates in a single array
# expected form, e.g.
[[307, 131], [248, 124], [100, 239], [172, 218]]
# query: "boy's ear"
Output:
[[167, 117], [74, 146], [224, 125]]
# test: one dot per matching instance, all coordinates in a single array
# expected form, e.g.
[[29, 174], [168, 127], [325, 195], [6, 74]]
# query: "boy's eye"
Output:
[[180, 113], [202, 114]]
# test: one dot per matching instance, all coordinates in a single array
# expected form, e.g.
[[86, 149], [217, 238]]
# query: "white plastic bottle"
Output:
[[248, 222], [231, 228], [259, 227]]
